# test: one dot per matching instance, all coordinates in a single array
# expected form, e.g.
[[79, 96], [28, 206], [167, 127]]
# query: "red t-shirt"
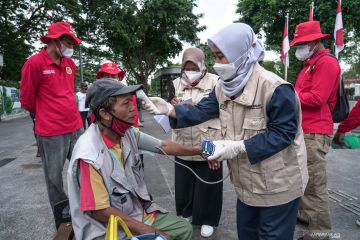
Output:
[[318, 93], [47, 90]]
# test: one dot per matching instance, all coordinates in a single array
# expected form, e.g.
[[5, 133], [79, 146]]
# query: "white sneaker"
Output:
[[207, 231]]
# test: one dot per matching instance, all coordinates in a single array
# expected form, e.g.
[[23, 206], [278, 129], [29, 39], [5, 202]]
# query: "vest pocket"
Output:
[[121, 199], [270, 175], [210, 133], [138, 171], [253, 126]]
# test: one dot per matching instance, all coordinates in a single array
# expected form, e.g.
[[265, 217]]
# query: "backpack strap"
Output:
[[313, 66]]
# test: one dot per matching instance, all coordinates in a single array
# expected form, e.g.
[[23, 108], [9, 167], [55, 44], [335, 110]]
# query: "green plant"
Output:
[[8, 104]]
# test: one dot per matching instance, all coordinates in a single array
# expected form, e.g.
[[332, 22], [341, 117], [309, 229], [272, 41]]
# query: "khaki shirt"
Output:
[[278, 179], [210, 130]]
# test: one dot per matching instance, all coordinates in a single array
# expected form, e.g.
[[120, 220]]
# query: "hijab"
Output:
[[241, 47], [196, 56]]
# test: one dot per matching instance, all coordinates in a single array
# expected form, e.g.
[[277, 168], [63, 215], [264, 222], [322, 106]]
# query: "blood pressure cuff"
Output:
[[149, 143]]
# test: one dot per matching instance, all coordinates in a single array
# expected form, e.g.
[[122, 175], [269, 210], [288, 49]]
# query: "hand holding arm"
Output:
[[224, 150], [162, 106]]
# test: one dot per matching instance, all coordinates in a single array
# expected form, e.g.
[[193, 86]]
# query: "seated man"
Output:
[[106, 175]]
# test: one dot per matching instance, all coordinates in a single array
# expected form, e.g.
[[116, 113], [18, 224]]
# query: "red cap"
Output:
[[110, 68], [307, 32], [58, 29]]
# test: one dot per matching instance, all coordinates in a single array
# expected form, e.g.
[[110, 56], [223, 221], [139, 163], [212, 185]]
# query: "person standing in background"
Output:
[[199, 201], [81, 96], [47, 91], [317, 86], [111, 70]]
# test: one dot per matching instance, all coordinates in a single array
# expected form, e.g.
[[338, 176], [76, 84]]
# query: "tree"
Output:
[[268, 17], [142, 34], [21, 23]]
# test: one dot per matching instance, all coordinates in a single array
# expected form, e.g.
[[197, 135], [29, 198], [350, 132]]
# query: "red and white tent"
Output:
[[338, 31]]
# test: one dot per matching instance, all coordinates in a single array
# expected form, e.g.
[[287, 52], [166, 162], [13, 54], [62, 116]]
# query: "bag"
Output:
[[112, 231], [351, 141], [341, 109]]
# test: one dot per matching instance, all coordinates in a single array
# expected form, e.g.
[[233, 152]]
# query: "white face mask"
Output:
[[228, 71], [65, 51], [303, 52], [193, 76]]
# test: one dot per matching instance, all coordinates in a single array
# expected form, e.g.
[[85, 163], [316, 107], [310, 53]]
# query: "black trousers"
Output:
[[85, 118], [194, 198]]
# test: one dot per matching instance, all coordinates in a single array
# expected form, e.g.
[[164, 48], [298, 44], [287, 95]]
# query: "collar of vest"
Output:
[[91, 148], [247, 97]]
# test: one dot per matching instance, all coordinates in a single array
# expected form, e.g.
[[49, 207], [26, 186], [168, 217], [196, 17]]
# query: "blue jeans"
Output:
[[266, 223]]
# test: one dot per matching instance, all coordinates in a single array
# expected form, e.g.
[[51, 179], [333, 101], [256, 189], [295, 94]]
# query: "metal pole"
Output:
[[81, 66], [287, 54]]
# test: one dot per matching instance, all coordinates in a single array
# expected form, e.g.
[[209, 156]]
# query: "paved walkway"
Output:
[[25, 212]]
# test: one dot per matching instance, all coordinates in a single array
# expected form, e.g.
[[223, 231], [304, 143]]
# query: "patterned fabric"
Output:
[[93, 192]]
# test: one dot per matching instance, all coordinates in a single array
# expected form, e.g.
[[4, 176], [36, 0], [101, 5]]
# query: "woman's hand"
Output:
[[214, 165], [176, 101]]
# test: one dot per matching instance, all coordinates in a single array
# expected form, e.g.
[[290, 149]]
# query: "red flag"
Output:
[[285, 46], [311, 12], [339, 32]]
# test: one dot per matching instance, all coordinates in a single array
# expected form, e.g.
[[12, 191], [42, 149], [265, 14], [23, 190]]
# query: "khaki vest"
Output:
[[124, 189], [278, 179], [210, 130]]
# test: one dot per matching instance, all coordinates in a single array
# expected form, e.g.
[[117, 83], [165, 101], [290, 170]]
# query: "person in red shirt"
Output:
[[316, 86], [350, 123], [111, 70], [47, 91]]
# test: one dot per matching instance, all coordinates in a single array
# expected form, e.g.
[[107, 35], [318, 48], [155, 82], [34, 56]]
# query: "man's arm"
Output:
[[28, 86], [324, 78], [352, 121], [187, 115], [172, 148], [135, 226], [152, 144]]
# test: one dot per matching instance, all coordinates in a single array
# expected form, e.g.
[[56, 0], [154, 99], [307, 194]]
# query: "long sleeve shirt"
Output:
[[317, 85], [352, 121], [47, 89], [281, 126]]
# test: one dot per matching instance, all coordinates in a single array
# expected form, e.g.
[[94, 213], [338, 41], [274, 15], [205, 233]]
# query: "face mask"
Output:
[[65, 51], [303, 52], [193, 76], [119, 126], [228, 71]]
